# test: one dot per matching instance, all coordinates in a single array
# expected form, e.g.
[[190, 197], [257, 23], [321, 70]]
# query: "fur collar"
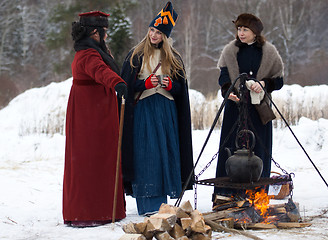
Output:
[[271, 63]]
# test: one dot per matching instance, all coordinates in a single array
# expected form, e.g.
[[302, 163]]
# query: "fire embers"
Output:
[[262, 212], [259, 200]]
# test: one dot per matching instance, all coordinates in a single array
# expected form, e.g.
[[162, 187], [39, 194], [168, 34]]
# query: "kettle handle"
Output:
[[228, 151], [240, 134]]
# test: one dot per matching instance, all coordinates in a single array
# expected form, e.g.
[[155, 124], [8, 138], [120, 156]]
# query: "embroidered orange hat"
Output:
[[94, 19], [165, 19]]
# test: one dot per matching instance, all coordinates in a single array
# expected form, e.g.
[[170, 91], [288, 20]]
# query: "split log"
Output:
[[140, 227], [149, 230], [186, 207], [280, 210], [133, 237], [218, 199], [208, 232], [177, 231], [163, 236], [185, 223], [221, 214], [189, 232], [273, 206], [258, 226], [181, 214], [158, 224], [292, 225], [129, 228], [166, 209], [134, 228], [160, 220], [218, 228], [198, 222], [226, 222], [228, 205]]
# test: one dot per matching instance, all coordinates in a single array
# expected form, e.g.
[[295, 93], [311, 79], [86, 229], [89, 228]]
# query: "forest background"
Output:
[[36, 46]]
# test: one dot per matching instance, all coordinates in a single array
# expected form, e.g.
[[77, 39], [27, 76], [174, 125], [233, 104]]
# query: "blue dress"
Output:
[[156, 153], [156, 143]]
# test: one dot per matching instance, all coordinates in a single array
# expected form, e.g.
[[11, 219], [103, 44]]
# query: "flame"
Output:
[[260, 200]]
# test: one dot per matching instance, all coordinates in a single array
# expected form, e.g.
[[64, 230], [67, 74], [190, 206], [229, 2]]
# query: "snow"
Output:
[[32, 164]]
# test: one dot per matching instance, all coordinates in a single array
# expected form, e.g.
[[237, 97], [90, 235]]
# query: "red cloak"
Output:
[[92, 129]]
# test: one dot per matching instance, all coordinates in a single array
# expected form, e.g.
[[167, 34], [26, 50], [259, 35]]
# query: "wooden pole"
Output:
[[118, 162], [218, 228]]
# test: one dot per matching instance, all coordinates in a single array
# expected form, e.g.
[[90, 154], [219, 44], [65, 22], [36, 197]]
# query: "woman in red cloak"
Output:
[[92, 128]]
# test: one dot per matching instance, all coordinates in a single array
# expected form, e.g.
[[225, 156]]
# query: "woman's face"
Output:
[[246, 35], [106, 33], [96, 35], [155, 35]]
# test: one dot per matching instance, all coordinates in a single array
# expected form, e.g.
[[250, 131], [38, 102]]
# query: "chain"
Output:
[[195, 194], [207, 165], [278, 166], [200, 173], [285, 172]]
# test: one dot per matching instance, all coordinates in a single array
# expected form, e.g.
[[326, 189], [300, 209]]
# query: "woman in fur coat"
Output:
[[249, 53], [157, 149]]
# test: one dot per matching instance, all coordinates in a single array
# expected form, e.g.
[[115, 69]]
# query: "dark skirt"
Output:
[[156, 149], [263, 142]]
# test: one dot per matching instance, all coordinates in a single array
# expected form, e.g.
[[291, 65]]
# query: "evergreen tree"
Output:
[[59, 39], [120, 37]]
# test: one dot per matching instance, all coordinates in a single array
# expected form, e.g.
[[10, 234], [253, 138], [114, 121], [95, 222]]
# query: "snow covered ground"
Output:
[[32, 164]]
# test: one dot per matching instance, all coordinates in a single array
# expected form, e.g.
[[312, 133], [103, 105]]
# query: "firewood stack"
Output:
[[170, 223]]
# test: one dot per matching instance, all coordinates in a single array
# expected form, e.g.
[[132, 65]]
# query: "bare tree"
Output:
[[7, 19], [204, 27]]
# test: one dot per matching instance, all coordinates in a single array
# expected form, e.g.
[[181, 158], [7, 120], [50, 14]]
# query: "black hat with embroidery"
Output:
[[165, 19], [250, 21], [94, 19]]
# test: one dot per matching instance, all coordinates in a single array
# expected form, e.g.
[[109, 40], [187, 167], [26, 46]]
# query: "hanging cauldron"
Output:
[[244, 166]]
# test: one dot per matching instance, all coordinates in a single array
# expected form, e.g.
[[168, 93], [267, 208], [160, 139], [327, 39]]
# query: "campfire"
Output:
[[265, 204], [256, 209]]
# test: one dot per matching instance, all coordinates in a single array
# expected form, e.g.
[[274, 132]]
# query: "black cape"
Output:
[[130, 75]]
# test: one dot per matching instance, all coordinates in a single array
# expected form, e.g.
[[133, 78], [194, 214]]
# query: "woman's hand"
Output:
[[256, 87], [167, 83], [154, 80], [233, 97], [151, 81]]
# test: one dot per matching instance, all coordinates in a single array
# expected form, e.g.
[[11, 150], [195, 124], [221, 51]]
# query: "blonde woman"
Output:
[[157, 146]]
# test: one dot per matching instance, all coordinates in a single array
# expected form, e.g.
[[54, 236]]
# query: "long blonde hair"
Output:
[[171, 64]]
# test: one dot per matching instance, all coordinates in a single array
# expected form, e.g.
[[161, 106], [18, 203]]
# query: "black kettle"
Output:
[[244, 166]]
